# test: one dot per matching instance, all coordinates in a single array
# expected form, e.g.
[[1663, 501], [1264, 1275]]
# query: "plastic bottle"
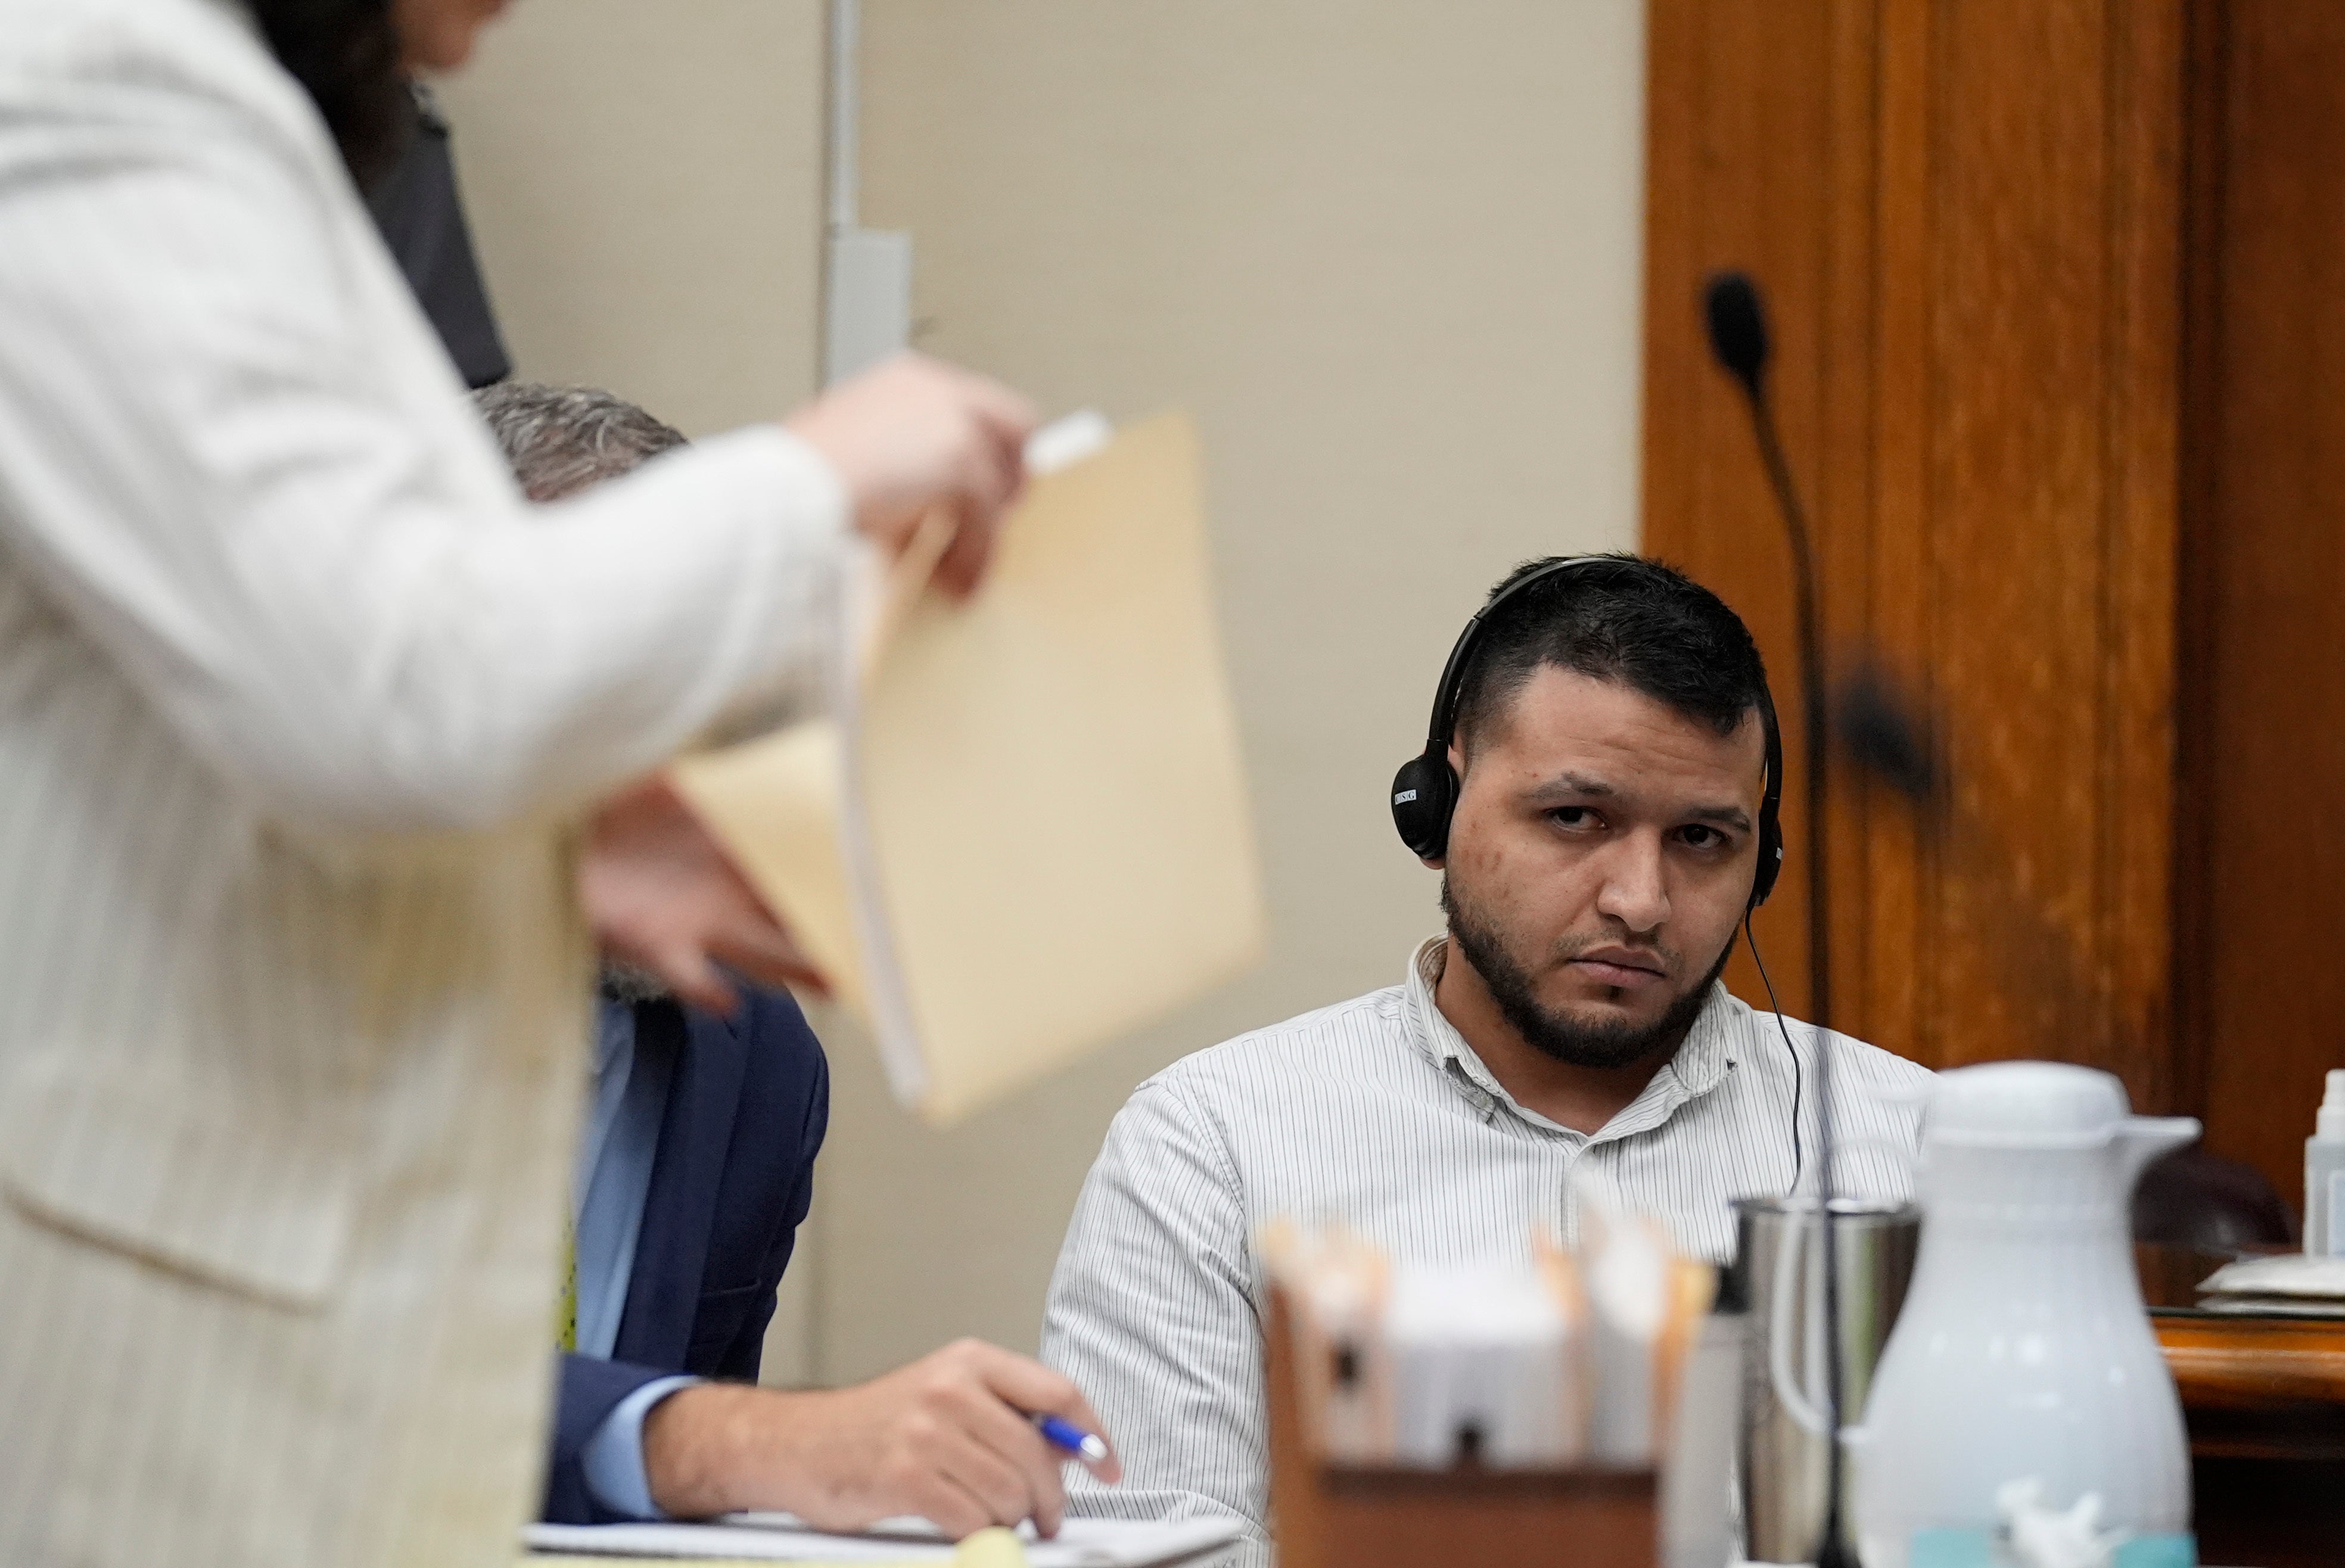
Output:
[[2324, 1174]]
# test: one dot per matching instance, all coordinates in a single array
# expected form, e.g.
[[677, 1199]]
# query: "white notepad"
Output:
[[1026, 831], [778, 1538]]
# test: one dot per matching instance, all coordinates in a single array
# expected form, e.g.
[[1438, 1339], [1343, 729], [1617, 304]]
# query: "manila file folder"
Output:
[[1026, 830]]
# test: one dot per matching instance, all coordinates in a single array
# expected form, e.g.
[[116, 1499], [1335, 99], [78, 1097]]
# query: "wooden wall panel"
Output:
[[2264, 779], [1746, 136], [1966, 219]]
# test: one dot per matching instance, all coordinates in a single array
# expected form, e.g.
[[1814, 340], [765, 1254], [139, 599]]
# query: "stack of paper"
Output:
[[2282, 1285], [778, 1538], [1026, 831]]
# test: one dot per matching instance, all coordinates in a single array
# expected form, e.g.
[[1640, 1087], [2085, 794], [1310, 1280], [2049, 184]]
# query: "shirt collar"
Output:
[[1701, 1064]]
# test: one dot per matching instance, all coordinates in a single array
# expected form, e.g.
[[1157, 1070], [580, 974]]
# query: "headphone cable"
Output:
[[1799, 1162]]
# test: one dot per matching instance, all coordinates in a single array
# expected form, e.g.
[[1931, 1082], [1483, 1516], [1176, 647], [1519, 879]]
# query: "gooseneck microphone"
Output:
[[1738, 340]]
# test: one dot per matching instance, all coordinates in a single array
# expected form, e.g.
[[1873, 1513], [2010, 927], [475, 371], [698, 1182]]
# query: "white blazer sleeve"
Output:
[[211, 459]]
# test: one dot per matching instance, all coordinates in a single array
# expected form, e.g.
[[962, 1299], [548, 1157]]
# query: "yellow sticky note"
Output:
[[995, 1548]]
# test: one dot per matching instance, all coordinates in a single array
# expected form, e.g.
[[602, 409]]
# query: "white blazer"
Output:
[[295, 701]]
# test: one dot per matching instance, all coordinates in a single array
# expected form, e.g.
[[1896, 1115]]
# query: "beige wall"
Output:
[[1386, 251], [645, 184]]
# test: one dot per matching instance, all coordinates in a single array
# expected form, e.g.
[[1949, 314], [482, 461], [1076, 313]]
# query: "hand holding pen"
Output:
[[967, 1437]]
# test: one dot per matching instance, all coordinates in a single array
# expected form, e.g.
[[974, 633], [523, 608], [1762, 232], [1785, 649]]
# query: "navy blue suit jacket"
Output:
[[747, 1107]]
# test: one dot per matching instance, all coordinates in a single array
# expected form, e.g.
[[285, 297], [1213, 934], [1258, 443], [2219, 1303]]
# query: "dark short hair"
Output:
[[560, 439], [1619, 618]]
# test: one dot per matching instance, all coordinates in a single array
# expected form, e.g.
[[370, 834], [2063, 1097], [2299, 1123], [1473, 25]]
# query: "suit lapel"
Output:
[[680, 1205]]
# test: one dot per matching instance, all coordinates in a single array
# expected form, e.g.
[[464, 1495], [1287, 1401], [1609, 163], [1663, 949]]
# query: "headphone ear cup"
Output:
[[1771, 807], [1770, 861], [1424, 793]]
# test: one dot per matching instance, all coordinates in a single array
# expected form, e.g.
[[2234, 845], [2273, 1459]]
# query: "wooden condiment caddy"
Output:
[[1342, 1516]]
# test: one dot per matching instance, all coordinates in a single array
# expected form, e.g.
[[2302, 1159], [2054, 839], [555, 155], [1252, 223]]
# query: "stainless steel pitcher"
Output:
[[1784, 1451]]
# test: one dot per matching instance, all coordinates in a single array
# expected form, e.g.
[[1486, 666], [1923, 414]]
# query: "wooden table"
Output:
[[2264, 1400]]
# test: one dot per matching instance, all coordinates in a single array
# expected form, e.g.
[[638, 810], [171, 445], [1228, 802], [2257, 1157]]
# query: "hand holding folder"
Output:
[[1025, 830], [929, 457]]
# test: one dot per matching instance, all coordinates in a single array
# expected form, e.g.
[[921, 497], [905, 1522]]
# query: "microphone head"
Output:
[[1878, 731], [1738, 328]]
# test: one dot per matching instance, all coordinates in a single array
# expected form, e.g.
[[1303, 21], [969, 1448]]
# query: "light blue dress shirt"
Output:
[[613, 1177]]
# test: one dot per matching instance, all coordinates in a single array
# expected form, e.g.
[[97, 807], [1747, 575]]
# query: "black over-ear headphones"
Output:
[[1425, 791]]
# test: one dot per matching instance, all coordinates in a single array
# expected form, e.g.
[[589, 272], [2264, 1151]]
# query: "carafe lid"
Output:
[[2053, 1100]]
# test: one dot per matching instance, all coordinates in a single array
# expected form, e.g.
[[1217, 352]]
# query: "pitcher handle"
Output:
[[1793, 1398], [1809, 1417]]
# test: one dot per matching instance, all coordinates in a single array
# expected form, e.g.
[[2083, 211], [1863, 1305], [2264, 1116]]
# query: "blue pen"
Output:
[[1071, 1437]]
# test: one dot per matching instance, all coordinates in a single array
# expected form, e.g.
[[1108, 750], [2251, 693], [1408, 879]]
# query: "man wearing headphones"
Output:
[[1600, 792]]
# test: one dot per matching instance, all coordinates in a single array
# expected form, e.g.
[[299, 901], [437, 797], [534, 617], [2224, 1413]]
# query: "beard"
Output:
[[1554, 1034]]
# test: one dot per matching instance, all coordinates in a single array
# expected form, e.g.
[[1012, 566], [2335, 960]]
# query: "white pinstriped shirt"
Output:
[[1377, 1111]]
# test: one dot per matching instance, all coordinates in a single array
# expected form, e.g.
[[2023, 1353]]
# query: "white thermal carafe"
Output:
[[2024, 1351]]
